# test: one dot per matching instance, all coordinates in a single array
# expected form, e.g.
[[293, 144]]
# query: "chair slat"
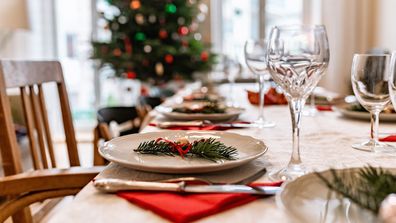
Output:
[[46, 125], [9, 149], [68, 125], [38, 124], [27, 109]]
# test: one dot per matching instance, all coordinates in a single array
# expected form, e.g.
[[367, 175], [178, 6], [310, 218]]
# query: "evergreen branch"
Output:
[[367, 188], [210, 108], [213, 150], [209, 149]]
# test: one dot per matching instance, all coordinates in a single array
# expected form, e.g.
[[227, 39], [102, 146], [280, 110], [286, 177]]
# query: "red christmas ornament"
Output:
[[104, 49], [204, 56], [168, 58], [146, 63], [117, 52], [184, 43], [131, 75], [163, 34], [128, 45], [144, 91], [183, 30], [135, 4]]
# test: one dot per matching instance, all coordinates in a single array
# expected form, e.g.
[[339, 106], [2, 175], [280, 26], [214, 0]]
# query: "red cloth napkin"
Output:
[[182, 208], [324, 108], [206, 127], [390, 138]]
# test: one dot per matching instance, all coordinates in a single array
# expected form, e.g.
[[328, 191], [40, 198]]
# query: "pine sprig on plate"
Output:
[[367, 188], [209, 108], [209, 149]]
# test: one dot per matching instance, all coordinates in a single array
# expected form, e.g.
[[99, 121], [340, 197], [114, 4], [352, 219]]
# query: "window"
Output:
[[235, 21]]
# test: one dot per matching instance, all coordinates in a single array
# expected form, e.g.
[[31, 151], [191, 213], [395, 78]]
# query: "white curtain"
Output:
[[350, 30], [353, 26]]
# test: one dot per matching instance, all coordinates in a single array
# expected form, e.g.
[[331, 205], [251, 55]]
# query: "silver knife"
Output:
[[110, 185]]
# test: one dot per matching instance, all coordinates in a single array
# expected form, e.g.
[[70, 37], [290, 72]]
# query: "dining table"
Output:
[[326, 140]]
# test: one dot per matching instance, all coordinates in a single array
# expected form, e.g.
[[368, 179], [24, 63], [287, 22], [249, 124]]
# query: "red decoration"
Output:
[[104, 49], [146, 63], [128, 45], [135, 4], [184, 43], [117, 52], [204, 56], [168, 58], [131, 75], [177, 147], [144, 91], [183, 30], [163, 34]]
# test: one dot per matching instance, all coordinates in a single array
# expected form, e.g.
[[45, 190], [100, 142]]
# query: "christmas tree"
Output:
[[154, 40]]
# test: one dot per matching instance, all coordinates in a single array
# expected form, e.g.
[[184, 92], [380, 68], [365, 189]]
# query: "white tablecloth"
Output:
[[326, 142]]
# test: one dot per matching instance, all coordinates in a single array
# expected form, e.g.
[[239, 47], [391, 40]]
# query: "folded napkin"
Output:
[[324, 108], [204, 127], [390, 138], [182, 208]]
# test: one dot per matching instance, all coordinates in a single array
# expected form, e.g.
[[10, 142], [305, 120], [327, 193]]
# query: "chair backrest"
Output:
[[150, 101], [117, 114], [29, 77]]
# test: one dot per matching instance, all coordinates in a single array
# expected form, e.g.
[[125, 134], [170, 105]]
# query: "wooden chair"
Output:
[[17, 189], [126, 116]]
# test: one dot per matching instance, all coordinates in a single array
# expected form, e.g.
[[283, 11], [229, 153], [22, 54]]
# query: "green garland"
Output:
[[209, 149]]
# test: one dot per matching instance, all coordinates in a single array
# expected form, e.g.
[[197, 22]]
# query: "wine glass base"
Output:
[[375, 147], [288, 173], [260, 123]]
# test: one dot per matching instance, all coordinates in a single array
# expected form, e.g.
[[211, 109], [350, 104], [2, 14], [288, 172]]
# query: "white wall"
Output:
[[385, 28]]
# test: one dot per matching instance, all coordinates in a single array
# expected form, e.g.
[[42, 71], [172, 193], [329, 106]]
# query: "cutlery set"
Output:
[[186, 185]]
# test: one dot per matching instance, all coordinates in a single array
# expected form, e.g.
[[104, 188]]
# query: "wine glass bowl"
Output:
[[256, 60], [370, 77], [297, 58]]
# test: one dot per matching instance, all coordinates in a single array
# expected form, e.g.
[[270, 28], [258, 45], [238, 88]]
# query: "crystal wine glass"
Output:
[[255, 57], [297, 57], [369, 76], [392, 80]]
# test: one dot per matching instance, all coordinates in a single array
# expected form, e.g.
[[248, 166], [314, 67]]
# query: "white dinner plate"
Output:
[[120, 150], [348, 113], [231, 113], [307, 199]]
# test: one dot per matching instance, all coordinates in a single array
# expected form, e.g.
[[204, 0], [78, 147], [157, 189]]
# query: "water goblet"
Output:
[[297, 58], [369, 76], [255, 57]]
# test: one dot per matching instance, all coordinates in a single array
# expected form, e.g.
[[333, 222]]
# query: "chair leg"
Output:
[[98, 160], [23, 216]]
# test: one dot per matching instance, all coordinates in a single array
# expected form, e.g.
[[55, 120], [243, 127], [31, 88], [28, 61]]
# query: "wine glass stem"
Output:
[[374, 126], [296, 106], [261, 92]]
